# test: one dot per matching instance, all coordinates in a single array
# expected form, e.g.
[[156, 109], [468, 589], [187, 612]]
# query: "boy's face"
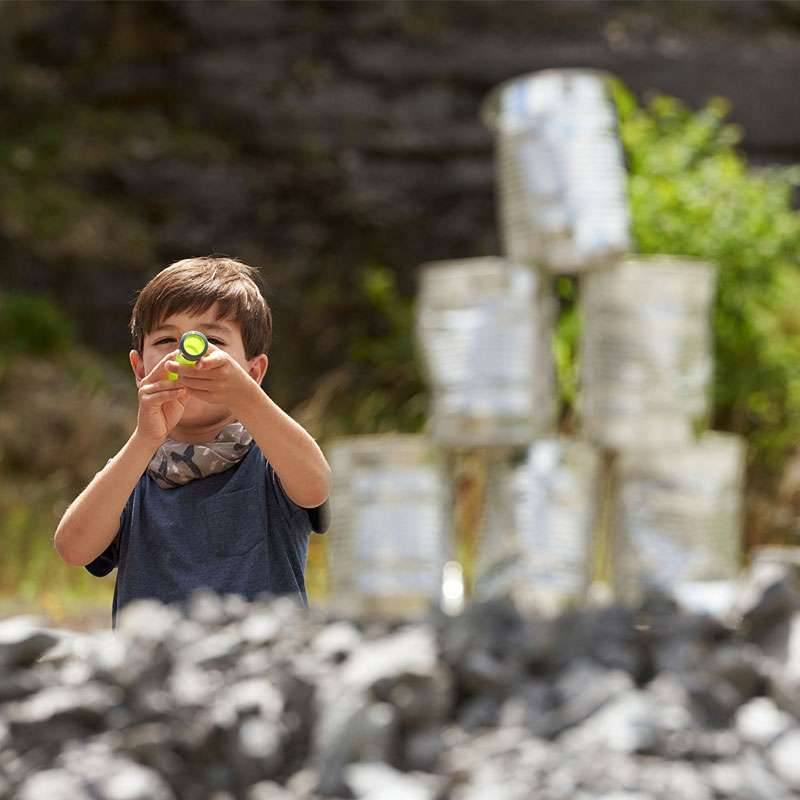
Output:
[[224, 334]]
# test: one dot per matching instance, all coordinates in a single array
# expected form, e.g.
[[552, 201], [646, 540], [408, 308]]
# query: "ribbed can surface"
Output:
[[561, 177], [646, 360], [677, 515], [388, 539], [537, 531], [483, 329]]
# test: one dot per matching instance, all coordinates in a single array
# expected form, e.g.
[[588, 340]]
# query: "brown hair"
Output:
[[194, 285]]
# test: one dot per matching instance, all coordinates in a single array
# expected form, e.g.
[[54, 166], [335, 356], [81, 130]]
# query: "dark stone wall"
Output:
[[314, 138]]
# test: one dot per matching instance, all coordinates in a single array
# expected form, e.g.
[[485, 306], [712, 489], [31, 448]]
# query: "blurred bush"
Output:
[[63, 411], [32, 325], [378, 385]]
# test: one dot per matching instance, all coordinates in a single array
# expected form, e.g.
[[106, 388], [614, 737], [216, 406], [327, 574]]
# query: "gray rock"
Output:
[[148, 620], [131, 781], [625, 796], [408, 652], [760, 721], [23, 640], [378, 781], [769, 596], [479, 712], [628, 723], [581, 691], [784, 756], [368, 735], [272, 701], [267, 790], [337, 641], [54, 784], [760, 783], [82, 704]]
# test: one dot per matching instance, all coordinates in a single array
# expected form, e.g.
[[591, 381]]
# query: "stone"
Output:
[[23, 640], [628, 723], [267, 790], [378, 781], [760, 782], [760, 721], [770, 595], [409, 652], [266, 701], [131, 781], [368, 735], [54, 784], [784, 756], [148, 620], [582, 690]]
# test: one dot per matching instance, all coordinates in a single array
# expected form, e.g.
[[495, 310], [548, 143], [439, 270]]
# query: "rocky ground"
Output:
[[270, 701]]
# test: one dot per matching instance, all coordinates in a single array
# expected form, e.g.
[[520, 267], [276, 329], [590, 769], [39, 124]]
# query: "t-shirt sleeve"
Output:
[[320, 517], [316, 517], [109, 558], [106, 561]]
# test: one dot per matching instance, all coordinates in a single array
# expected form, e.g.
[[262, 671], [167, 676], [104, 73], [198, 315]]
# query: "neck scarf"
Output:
[[177, 463]]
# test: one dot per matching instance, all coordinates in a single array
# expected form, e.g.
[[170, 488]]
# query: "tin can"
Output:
[[483, 329], [537, 534], [677, 515], [389, 539], [646, 360], [562, 185]]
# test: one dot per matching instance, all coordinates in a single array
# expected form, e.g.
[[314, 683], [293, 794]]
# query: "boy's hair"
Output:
[[193, 285]]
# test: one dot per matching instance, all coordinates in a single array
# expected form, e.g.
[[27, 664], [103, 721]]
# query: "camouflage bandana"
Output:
[[177, 463]]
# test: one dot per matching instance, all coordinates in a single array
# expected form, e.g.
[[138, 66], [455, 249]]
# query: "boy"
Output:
[[217, 486]]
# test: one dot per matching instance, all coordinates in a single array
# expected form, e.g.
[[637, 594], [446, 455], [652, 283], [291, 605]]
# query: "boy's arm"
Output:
[[295, 456], [92, 519]]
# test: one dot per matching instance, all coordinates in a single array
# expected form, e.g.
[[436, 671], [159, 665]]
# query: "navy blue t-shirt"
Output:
[[233, 532]]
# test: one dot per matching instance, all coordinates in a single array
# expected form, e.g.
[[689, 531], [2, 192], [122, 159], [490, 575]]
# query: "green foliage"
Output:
[[691, 193], [390, 395], [32, 325], [565, 343], [32, 570], [63, 412]]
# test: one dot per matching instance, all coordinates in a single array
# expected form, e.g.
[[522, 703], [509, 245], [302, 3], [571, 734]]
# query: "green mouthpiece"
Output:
[[193, 346]]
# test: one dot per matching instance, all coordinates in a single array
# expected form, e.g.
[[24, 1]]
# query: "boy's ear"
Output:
[[137, 365], [257, 368]]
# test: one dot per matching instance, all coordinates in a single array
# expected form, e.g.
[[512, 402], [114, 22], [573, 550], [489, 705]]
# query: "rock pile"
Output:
[[269, 701]]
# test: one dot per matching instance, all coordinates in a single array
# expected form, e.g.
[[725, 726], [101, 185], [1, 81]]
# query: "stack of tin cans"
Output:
[[484, 328], [540, 511], [645, 351], [562, 199], [676, 515], [388, 542]]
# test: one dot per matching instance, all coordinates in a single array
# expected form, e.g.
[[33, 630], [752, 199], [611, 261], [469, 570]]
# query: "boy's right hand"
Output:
[[161, 403]]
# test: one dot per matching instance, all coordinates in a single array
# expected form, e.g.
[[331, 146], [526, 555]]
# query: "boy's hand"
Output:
[[161, 403], [216, 378]]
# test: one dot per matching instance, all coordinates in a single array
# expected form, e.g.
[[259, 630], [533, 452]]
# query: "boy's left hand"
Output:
[[217, 378]]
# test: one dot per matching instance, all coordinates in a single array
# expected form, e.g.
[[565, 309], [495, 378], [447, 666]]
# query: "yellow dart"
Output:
[[193, 346]]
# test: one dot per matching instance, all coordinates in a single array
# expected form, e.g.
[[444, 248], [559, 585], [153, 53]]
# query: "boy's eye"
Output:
[[172, 339]]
